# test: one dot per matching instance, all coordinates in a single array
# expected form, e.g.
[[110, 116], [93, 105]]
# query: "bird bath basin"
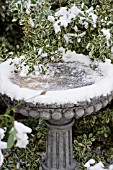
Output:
[[64, 76], [71, 90]]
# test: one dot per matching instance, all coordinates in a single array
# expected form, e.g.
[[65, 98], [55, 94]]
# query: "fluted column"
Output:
[[59, 148]]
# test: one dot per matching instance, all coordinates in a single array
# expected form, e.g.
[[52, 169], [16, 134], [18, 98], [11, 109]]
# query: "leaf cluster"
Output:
[[10, 32], [27, 31], [93, 137]]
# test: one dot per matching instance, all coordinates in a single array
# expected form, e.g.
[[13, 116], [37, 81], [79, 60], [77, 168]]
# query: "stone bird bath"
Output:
[[76, 88]]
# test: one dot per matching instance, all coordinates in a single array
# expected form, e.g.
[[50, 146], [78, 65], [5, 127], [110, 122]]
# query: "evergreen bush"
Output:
[[10, 32], [47, 26]]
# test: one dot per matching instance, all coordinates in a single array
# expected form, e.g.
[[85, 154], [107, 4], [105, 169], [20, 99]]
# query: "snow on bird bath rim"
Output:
[[103, 86]]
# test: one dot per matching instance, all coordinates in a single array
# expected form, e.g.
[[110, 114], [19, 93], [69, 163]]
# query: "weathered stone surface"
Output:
[[69, 114], [89, 110], [79, 112], [59, 148], [34, 113], [52, 111], [105, 103], [56, 115], [24, 111], [45, 115], [110, 98], [97, 106]]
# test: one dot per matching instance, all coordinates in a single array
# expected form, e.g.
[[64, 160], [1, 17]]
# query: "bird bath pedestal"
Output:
[[75, 90]]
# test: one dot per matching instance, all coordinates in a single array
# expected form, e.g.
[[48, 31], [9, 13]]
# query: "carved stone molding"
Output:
[[58, 112]]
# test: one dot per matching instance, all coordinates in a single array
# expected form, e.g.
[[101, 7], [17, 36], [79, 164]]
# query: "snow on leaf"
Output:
[[21, 128], [2, 131]]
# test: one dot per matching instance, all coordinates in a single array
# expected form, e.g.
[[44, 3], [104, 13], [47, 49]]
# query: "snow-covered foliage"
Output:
[[82, 26], [91, 165], [18, 134], [21, 134], [3, 145]]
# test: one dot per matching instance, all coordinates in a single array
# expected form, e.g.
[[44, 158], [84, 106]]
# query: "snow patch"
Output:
[[106, 32], [98, 166], [3, 145], [21, 135]]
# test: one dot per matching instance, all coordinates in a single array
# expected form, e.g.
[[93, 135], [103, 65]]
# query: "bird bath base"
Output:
[[59, 146]]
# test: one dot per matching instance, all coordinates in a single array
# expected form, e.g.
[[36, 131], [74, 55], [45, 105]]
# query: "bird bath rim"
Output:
[[102, 87], [81, 101]]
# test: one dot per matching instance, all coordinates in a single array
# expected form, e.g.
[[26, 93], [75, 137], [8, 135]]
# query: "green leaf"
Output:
[[11, 138], [14, 19], [15, 1], [8, 110]]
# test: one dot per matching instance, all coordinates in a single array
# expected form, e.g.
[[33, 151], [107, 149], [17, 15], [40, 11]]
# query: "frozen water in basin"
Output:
[[64, 76]]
